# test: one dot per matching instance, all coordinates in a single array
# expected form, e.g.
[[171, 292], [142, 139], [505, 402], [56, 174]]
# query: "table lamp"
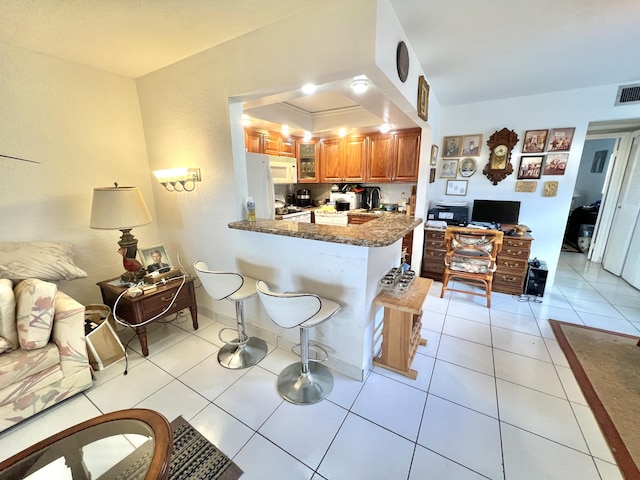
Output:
[[121, 208]]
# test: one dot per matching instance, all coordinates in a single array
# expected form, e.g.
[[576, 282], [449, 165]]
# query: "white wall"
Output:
[[84, 127], [546, 216]]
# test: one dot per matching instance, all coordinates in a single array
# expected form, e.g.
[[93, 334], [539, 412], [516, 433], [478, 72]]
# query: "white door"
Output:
[[622, 247]]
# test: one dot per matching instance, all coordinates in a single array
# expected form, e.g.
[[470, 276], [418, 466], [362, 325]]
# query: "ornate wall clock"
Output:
[[500, 145]]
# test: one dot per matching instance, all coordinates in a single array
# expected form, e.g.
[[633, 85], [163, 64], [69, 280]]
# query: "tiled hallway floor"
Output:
[[494, 397]]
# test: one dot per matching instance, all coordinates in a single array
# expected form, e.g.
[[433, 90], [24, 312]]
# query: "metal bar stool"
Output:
[[244, 351], [301, 382]]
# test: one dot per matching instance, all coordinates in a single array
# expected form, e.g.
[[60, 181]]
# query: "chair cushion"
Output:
[[460, 263], [43, 260], [8, 333], [34, 312]]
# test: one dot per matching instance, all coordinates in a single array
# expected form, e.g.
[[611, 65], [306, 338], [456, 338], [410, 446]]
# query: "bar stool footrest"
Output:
[[317, 350]]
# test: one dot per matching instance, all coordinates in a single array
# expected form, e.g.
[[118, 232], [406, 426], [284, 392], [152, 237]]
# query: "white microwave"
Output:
[[283, 169]]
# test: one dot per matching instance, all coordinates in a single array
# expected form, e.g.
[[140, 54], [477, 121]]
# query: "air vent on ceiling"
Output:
[[628, 94]]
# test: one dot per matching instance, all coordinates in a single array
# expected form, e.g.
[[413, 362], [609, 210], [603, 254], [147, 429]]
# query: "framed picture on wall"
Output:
[[434, 155], [449, 168], [423, 98], [555, 164], [534, 141], [468, 167], [530, 166], [432, 175], [456, 187], [451, 147], [560, 139], [599, 159], [471, 145]]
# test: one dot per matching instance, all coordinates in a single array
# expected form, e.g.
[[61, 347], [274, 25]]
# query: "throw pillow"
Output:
[[8, 332], [34, 312], [44, 260]]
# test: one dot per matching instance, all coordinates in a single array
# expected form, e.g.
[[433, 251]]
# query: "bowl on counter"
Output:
[[389, 208]]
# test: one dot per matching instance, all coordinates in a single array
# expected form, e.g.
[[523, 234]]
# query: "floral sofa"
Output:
[[43, 353]]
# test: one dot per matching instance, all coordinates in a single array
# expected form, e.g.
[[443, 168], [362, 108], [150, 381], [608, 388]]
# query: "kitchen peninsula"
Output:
[[344, 263]]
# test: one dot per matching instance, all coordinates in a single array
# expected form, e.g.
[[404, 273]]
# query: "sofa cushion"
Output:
[[20, 364], [44, 260], [34, 312], [8, 333]]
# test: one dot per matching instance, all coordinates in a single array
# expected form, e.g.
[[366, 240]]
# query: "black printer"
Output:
[[452, 214]]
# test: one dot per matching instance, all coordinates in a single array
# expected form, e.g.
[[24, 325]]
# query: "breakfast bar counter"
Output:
[[342, 263], [384, 230]]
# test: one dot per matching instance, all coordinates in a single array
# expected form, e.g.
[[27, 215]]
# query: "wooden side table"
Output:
[[137, 310], [401, 327]]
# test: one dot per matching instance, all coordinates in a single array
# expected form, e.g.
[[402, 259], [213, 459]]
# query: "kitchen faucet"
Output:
[[370, 200]]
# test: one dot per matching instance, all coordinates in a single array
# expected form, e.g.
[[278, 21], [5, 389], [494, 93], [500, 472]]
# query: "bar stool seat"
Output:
[[244, 351], [302, 382]]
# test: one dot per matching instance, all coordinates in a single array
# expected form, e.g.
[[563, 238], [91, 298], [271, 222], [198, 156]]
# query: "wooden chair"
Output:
[[471, 259]]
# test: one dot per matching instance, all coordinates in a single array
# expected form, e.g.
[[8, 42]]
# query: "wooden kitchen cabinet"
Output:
[[394, 157], [343, 159], [308, 157], [276, 144], [253, 141]]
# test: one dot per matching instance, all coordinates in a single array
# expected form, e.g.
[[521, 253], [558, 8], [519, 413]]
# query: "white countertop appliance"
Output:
[[352, 198]]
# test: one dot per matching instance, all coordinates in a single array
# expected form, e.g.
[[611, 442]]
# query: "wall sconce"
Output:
[[178, 179]]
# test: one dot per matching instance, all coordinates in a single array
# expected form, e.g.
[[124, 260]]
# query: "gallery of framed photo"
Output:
[[154, 258], [423, 98], [534, 141], [457, 187], [560, 139], [449, 168], [434, 155], [530, 167], [468, 167], [555, 164], [451, 146], [471, 144]]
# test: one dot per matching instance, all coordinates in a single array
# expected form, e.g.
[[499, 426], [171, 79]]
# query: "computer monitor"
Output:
[[495, 211]]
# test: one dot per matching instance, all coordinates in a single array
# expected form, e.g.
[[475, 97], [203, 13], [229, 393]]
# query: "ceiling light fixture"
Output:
[[309, 89], [246, 120], [284, 130], [359, 86], [307, 135], [342, 132], [385, 128]]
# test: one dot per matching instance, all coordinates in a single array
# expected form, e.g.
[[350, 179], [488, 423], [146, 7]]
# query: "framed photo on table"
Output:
[[456, 187], [154, 258]]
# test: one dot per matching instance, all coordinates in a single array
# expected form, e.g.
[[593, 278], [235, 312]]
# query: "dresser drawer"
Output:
[[508, 283], [512, 265]]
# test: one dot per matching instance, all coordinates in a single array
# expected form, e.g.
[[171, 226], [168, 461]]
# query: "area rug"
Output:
[[195, 457], [607, 368]]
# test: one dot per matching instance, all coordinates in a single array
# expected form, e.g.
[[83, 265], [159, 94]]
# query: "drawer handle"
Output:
[[509, 279], [516, 244], [511, 264], [512, 252], [167, 299]]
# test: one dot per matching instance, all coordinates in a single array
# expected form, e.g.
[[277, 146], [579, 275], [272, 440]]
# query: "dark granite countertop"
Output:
[[383, 231]]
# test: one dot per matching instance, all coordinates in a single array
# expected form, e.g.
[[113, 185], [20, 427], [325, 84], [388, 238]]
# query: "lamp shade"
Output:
[[116, 208]]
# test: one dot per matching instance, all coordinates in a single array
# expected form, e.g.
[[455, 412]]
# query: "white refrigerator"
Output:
[[260, 183]]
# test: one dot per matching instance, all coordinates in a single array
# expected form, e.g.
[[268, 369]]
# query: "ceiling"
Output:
[[471, 51]]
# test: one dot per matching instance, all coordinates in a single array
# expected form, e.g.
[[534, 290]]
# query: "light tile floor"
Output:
[[494, 397]]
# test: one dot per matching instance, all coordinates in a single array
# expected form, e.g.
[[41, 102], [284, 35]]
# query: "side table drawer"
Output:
[[156, 304]]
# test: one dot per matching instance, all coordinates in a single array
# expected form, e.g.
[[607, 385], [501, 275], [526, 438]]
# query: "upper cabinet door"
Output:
[[253, 141], [331, 160], [381, 158], [407, 156], [355, 158]]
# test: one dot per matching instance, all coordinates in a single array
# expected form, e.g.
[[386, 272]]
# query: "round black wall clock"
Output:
[[402, 61]]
